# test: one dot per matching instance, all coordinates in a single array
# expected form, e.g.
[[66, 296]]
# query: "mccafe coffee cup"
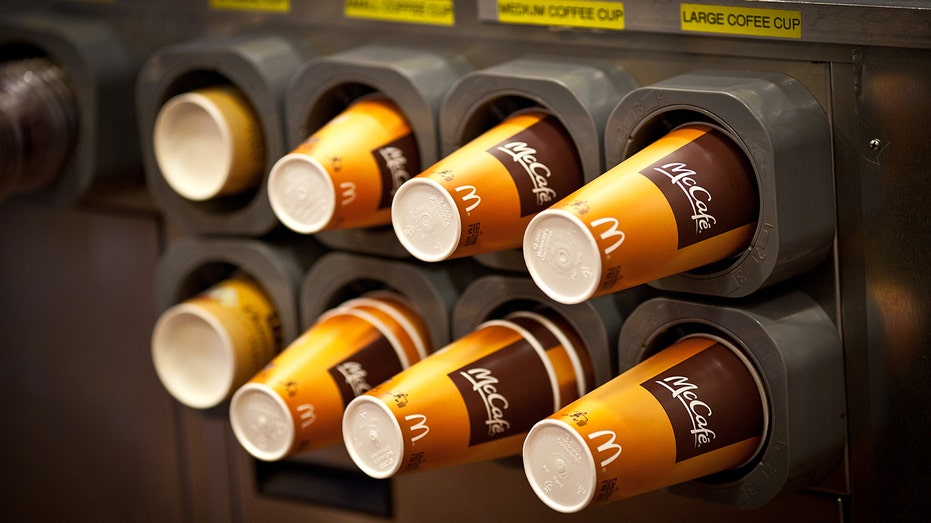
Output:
[[207, 346], [346, 173], [472, 400], [208, 143], [693, 409], [296, 402], [687, 200], [480, 198]]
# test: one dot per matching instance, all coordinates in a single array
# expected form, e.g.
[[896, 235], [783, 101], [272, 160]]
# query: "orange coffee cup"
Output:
[[481, 197], [693, 409], [296, 402], [207, 346], [345, 174], [472, 400], [687, 200], [208, 143]]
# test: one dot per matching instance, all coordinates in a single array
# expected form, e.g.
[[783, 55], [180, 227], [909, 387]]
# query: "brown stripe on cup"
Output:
[[686, 201], [695, 408], [397, 161], [703, 185], [684, 392], [532, 156], [495, 388], [481, 197], [346, 173], [564, 348], [296, 402], [471, 400]]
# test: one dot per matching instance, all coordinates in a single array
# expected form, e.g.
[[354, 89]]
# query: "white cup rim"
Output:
[[196, 386], [204, 184]]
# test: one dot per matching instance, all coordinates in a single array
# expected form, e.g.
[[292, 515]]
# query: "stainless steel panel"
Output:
[[884, 247], [88, 432]]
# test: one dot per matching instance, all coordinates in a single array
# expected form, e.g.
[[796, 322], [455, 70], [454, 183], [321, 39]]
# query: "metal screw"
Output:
[[874, 144]]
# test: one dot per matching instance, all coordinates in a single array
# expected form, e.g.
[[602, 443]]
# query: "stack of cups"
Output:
[[296, 402], [687, 200], [472, 400], [345, 174], [207, 346], [480, 198], [38, 124], [208, 143], [693, 409]]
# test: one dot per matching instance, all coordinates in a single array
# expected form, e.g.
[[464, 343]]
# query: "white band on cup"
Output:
[[426, 219], [571, 350], [301, 193], [374, 322], [562, 256], [541, 353], [262, 421], [371, 300]]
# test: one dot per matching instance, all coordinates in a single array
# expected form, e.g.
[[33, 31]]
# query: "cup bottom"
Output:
[[373, 437], [301, 193], [193, 356], [426, 219], [559, 466], [262, 422], [562, 256]]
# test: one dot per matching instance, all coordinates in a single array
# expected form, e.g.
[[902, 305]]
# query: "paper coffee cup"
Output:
[[481, 197], [472, 400], [693, 409], [208, 143], [296, 402], [687, 200], [207, 346], [345, 174]]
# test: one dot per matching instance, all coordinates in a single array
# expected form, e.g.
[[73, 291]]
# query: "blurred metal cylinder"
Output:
[[38, 125]]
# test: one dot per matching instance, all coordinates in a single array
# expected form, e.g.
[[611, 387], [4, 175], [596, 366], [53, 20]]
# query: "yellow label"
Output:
[[271, 6], [435, 12], [745, 21], [570, 13]]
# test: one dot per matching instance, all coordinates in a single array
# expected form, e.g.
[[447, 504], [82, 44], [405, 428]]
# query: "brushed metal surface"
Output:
[[885, 293], [88, 432]]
